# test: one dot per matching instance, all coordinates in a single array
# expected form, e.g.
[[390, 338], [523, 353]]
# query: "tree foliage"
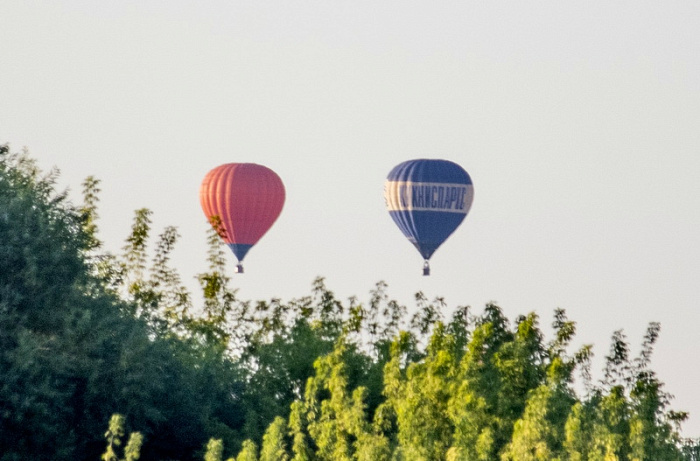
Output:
[[89, 339], [114, 434]]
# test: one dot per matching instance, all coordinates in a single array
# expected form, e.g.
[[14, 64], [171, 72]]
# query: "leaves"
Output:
[[84, 335], [114, 434]]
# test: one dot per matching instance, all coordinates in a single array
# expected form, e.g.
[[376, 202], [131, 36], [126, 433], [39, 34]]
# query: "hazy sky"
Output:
[[579, 123]]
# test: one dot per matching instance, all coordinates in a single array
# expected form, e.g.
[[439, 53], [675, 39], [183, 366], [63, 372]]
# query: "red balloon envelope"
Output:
[[241, 200]]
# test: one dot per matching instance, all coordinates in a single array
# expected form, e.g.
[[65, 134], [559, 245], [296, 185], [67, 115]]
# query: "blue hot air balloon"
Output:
[[428, 199]]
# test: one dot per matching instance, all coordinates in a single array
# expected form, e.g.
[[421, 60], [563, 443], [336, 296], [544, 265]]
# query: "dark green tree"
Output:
[[71, 352]]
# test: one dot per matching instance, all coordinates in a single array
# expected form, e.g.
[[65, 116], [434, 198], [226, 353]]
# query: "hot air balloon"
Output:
[[241, 201], [428, 199]]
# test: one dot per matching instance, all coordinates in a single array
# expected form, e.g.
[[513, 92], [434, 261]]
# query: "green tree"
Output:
[[274, 446], [421, 397], [114, 434], [85, 335], [71, 352], [41, 272], [249, 452], [301, 451], [653, 427], [223, 324], [577, 432], [474, 407]]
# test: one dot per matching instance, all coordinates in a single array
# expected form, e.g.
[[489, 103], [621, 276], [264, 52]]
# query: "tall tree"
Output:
[[421, 399], [274, 445], [474, 407]]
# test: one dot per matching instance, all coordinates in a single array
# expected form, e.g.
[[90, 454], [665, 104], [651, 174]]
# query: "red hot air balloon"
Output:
[[242, 201]]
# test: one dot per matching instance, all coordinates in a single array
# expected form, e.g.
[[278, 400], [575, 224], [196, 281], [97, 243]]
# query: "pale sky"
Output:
[[579, 123]]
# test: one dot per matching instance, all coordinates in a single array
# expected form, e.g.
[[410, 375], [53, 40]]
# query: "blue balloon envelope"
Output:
[[428, 199]]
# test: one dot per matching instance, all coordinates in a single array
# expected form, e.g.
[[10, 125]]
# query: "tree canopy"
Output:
[[93, 342]]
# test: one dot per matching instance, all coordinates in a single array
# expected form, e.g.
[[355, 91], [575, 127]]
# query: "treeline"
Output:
[[91, 341]]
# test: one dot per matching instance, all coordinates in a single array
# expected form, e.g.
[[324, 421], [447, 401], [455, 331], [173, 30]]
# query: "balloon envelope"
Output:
[[242, 201], [428, 199]]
